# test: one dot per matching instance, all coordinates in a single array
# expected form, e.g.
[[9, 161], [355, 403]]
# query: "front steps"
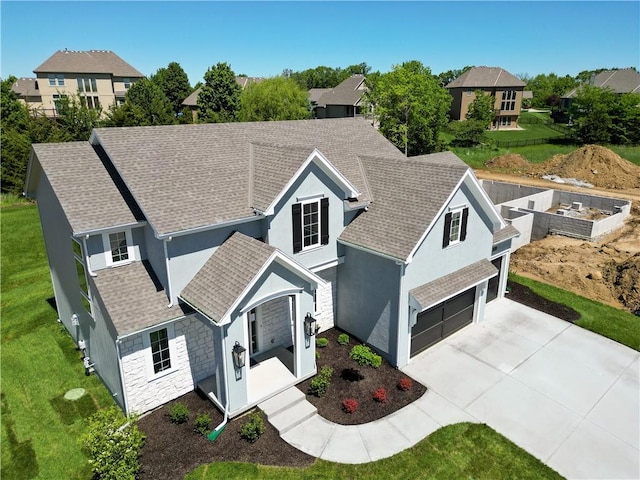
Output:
[[288, 409]]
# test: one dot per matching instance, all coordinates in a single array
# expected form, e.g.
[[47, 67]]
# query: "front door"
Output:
[[255, 331]]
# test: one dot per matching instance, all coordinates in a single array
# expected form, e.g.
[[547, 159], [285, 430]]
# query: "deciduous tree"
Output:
[[174, 83], [275, 98], [482, 108], [410, 106], [219, 97], [153, 107]]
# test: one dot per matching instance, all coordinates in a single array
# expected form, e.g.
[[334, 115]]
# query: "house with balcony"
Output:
[[100, 77], [216, 269], [506, 88]]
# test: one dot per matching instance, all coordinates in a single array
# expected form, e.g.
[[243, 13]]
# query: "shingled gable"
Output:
[[190, 177], [275, 168], [233, 269], [479, 77], [89, 196], [409, 196], [348, 92]]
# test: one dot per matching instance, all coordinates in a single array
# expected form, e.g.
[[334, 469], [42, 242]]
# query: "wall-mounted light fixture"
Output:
[[309, 325], [75, 321], [238, 352]]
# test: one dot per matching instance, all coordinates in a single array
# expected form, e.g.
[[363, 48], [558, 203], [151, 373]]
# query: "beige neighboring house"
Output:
[[100, 77], [191, 101], [342, 101], [28, 93], [505, 87], [626, 80]]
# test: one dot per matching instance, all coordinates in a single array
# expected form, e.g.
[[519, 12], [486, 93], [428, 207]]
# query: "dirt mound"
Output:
[[596, 165], [624, 279], [509, 161]]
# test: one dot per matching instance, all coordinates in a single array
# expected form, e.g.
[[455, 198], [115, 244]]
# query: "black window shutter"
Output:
[[463, 227], [447, 230], [324, 221], [296, 215]]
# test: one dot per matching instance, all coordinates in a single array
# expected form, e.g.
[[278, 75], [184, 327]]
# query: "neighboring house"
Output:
[[626, 80], [506, 88], [100, 77], [164, 264], [28, 92], [191, 102], [342, 101]]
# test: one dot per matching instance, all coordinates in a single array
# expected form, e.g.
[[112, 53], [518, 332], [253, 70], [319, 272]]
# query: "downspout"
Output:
[[125, 399], [166, 262], [220, 428], [86, 257]]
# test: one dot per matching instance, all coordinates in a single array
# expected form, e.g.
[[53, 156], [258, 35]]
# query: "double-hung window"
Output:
[[310, 224], [118, 246], [160, 350], [56, 79], [455, 226]]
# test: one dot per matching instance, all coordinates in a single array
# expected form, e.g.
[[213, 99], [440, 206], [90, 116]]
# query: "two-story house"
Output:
[[506, 88], [211, 254], [100, 77]]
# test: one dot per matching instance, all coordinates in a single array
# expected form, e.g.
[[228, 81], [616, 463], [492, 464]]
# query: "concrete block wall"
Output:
[[523, 222], [544, 223], [606, 204], [192, 359], [277, 323], [610, 223], [326, 299], [511, 193]]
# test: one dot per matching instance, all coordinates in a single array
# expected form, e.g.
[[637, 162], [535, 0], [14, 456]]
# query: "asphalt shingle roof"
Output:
[[134, 298], [346, 93], [407, 195], [444, 287], [26, 87], [505, 234], [226, 274], [620, 81], [87, 193], [91, 61], [478, 77], [189, 176]]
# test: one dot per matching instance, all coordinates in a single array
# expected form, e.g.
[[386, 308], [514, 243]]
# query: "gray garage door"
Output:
[[442, 320]]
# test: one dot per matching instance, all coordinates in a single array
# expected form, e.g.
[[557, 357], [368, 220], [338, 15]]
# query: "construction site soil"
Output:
[[607, 270]]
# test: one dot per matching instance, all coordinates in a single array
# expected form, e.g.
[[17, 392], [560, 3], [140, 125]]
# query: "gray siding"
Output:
[[188, 253], [312, 182], [154, 249], [368, 299]]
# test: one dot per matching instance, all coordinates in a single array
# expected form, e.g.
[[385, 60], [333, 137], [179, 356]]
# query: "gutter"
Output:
[[205, 228], [86, 257]]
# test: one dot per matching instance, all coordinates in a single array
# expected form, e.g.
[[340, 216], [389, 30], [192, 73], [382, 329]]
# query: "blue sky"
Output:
[[263, 38]]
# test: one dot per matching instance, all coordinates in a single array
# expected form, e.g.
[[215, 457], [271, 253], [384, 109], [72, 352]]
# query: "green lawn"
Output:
[[40, 429], [529, 132], [460, 451], [619, 325]]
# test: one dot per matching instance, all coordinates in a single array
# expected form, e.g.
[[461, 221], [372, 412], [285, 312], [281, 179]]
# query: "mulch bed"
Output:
[[171, 451], [521, 294], [344, 386]]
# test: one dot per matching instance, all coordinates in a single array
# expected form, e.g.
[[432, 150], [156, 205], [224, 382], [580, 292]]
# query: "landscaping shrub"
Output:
[[343, 339], [252, 430], [363, 355], [350, 405], [321, 382], [112, 443], [321, 342], [405, 384], [179, 413], [380, 395], [203, 423]]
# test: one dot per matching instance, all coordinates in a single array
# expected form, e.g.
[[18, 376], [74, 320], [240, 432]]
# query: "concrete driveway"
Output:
[[568, 396]]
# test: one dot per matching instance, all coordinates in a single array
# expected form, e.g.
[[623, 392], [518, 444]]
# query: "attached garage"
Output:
[[442, 320], [447, 304]]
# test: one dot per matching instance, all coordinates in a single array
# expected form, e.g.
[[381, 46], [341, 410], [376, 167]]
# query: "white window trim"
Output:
[[173, 357], [107, 248], [317, 201], [453, 213], [81, 259]]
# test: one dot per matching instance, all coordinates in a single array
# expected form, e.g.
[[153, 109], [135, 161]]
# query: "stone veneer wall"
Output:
[[192, 359], [276, 323], [326, 299]]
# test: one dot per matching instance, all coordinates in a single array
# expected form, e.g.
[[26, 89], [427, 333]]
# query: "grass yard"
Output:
[[463, 450], [531, 131], [40, 429], [618, 325]]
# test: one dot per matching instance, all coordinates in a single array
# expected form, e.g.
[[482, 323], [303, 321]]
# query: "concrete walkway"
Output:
[[568, 396]]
